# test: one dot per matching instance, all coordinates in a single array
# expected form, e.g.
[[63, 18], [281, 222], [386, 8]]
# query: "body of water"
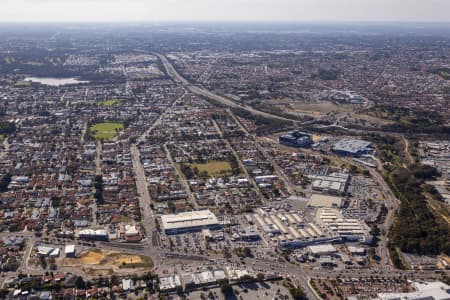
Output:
[[54, 81]]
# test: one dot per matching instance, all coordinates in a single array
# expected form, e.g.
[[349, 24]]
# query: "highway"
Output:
[[208, 94]]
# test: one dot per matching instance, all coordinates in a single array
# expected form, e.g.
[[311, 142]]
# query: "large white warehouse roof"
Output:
[[186, 220]]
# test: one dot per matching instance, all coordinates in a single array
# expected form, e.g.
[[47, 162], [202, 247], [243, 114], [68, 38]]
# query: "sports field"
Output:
[[213, 167], [111, 102], [106, 130]]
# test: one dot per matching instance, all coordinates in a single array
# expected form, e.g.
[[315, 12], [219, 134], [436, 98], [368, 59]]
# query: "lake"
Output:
[[54, 81]]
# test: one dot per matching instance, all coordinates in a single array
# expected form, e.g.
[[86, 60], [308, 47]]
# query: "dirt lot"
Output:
[[108, 260]]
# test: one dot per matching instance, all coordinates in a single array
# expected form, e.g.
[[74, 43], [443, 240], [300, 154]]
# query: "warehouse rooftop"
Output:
[[351, 146], [192, 219]]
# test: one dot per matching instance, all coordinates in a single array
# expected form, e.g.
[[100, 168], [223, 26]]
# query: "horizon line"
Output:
[[233, 22]]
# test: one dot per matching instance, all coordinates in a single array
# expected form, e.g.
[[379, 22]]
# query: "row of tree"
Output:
[[98, 185], [417, 229], [4, 182], [265, 125], [7, 128]]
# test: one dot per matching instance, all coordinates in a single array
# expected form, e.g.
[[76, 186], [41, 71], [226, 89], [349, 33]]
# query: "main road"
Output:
[[143, 193], [171, 72], [148, 219], [392, 204]]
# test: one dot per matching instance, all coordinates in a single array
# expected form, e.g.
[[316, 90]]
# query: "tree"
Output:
[[246, 279], [226, 288], [187, 171], [375, 232], [79, 283], [7, 128], [297, 293], [98, 184], [244, 252], [4, 182], [172, 207], [179, 290], [226, 253]]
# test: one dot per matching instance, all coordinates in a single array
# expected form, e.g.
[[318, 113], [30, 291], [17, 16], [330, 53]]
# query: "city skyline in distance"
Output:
[[48, 11]]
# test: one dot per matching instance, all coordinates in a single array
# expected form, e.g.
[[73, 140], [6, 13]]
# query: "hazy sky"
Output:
[[223, 10]]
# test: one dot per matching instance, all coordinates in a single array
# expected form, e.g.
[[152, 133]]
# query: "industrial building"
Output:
[[169, 284], [327, 261], [69, 250], [319, 250], [296, 139], [250, 234], [356, 250], [348, 229], [235, 273], [351, 147], [202, 279], [334, 183], [189, 221], [47, 251], [94, 234], [197, 280], [289, 230], [265, 178]]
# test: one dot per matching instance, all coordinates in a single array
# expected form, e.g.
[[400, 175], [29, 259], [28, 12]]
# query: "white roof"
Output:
[[169, 282], [92, 232], [55, 252], [199, 218], [354, 249], [69, 249], [351, 145], [317, 249], [131, 230], [327, 184], [219, 274], [436, 290], [234, 274], [44, 250], [127, 284]]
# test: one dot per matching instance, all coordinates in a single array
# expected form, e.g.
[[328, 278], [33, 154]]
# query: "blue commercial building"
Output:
[[296, 139]]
